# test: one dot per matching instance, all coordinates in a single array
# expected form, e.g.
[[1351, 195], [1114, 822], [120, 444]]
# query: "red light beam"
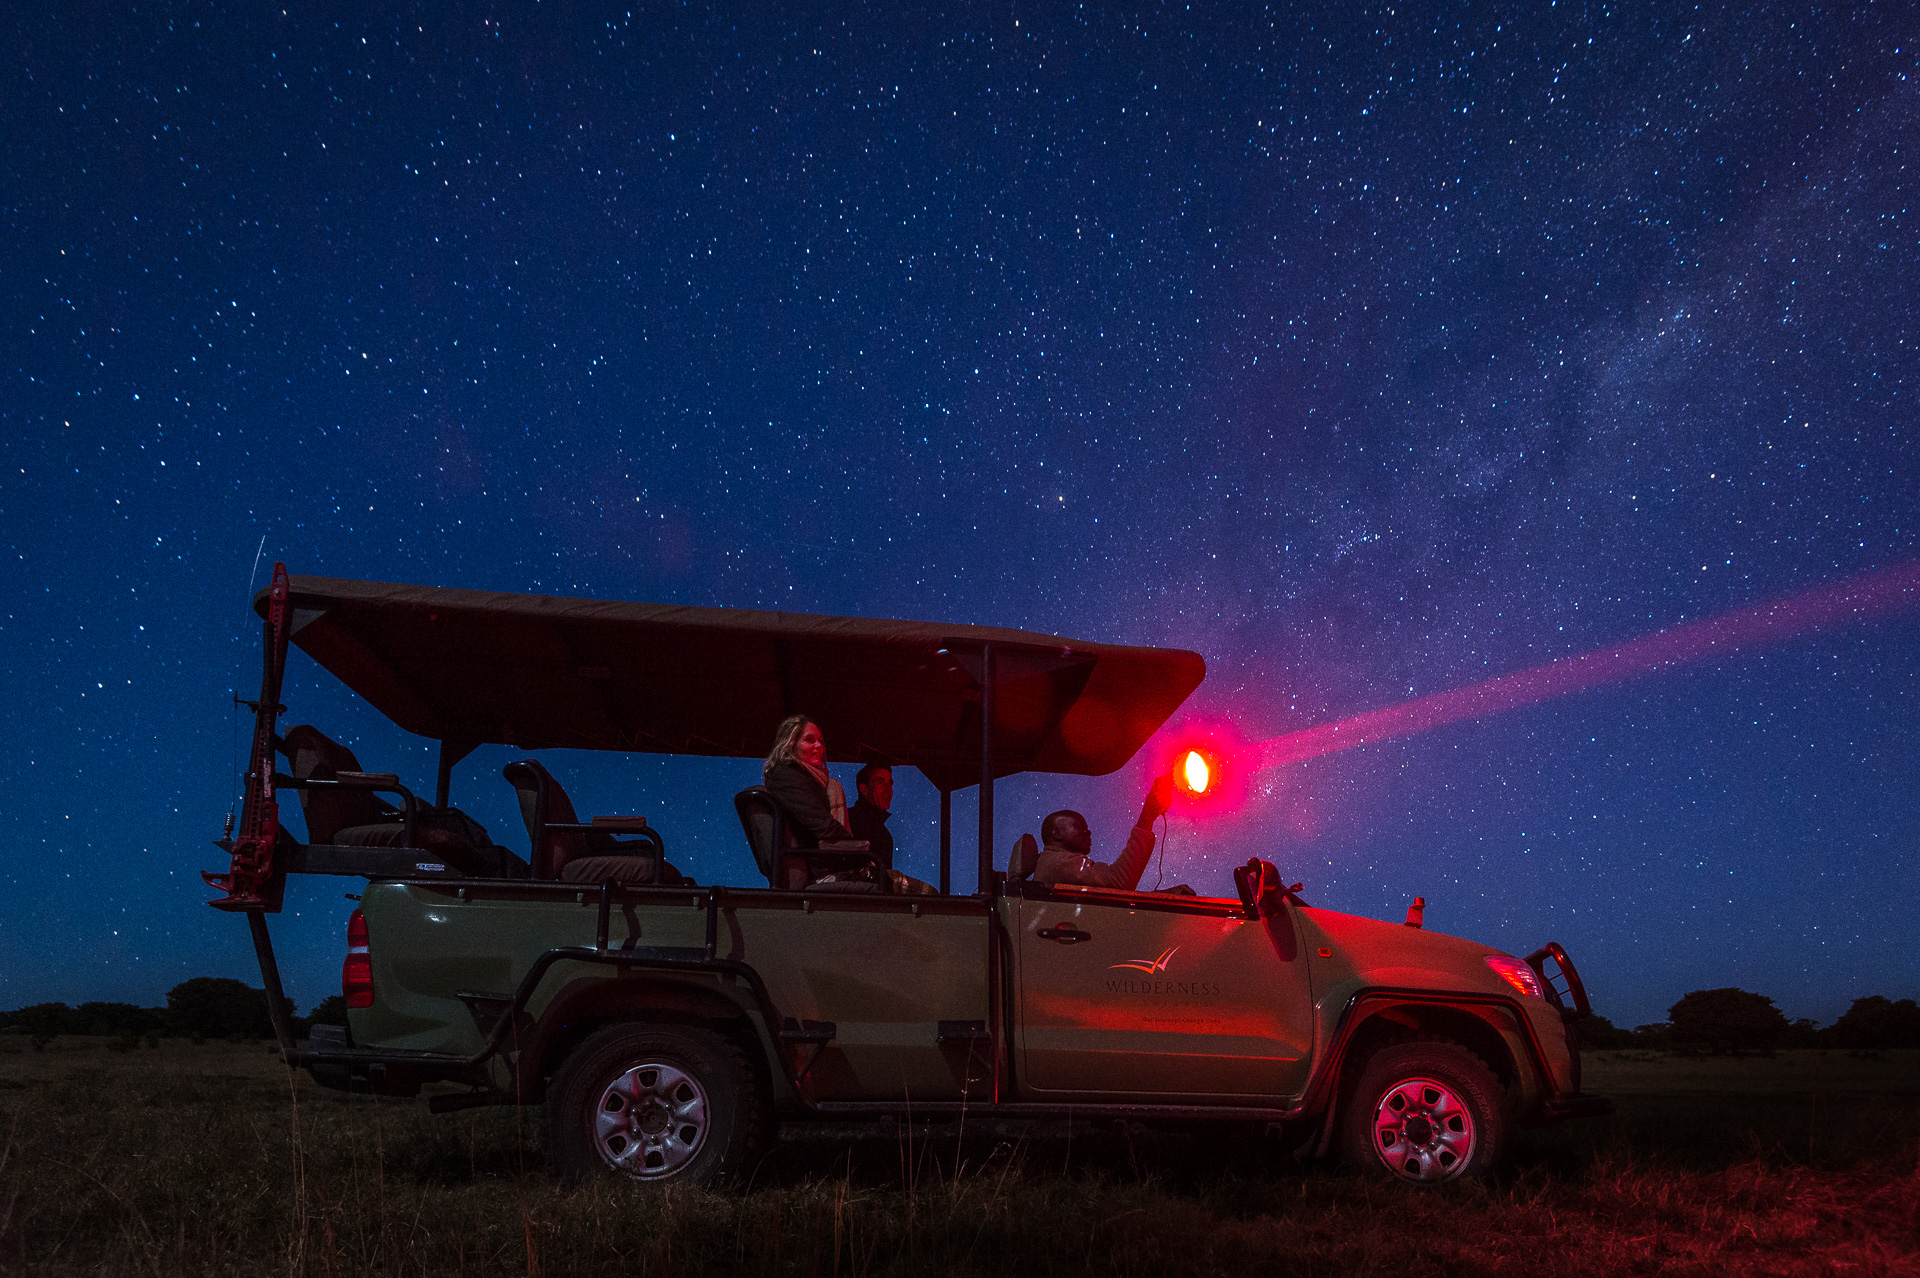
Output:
[[1870, 595]]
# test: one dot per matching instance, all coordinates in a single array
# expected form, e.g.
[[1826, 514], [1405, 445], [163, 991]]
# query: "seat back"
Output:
[[543, 801], [1023, 859], [764, 826], [313, 756]]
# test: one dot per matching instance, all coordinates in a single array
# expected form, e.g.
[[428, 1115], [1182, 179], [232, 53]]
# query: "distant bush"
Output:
[[1802, 1034], [1597, 1033], [218, 1007], [1725, 1021], [1876, 1022], [331, 1010], [1657, 1037], [44, 1022], [116, 1019]]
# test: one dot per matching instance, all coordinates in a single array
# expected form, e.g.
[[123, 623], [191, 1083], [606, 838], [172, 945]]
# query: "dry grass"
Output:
[[211, 1160]]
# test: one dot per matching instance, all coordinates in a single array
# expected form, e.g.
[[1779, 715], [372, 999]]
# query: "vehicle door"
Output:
[[1143, 994], [903, 981]]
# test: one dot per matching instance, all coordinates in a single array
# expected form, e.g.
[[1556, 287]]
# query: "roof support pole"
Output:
[[986, 766], [451, 752], [946, 842]]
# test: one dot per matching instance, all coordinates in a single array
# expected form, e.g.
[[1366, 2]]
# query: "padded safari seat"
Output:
[[566, 849], [353, 818], [351, 813], [1024, 859], [788, 865]]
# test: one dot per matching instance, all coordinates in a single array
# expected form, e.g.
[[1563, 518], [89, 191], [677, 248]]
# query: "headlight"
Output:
[[1516, 973]]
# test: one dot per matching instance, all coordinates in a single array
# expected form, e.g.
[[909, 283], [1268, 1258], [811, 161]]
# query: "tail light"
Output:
[[356, 974], [1515, 972]]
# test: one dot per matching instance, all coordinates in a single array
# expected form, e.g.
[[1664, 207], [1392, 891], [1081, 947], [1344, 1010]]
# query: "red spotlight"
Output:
[[1195, 773], [1209, 775]]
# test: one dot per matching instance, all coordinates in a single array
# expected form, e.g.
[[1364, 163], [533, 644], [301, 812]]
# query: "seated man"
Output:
[[867, 819], [1066, 858]]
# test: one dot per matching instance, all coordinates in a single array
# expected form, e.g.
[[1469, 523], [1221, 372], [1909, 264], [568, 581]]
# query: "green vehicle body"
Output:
[[1124, 1001]]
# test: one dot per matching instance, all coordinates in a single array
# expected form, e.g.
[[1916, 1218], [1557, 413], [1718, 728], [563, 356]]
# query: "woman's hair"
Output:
[[785, 738]]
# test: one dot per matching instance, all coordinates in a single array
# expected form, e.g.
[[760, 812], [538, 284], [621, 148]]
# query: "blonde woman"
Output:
[[795, 774], [815, 806]]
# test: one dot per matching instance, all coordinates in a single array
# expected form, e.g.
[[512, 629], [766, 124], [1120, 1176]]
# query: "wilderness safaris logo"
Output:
[[1154, 967]]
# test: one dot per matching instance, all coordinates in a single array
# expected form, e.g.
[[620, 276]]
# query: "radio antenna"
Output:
[[255, 574], [252, 577]]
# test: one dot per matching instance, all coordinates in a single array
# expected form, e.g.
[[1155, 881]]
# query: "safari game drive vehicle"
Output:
[[666, 1026]]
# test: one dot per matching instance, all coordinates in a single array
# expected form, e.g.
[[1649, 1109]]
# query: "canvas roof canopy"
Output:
[[474, 667]]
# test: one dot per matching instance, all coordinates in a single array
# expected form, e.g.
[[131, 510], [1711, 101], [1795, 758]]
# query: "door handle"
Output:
[[1065, 933]]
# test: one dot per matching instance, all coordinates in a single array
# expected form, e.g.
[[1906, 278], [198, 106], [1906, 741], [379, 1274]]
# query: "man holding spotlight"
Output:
[[1067, 856]]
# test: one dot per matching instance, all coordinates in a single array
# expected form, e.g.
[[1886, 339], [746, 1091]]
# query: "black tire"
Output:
[[1424, 1113], [660, 1104]]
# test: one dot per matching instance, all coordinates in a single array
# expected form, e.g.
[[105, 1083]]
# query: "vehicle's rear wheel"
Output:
[[1425, 1113], [656, 1103]]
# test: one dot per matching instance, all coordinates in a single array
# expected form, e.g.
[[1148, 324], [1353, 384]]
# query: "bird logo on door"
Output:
[[1152, 967]]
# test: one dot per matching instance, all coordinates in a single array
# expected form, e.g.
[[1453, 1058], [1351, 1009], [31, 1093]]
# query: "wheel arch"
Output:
[[1478, 1030], [586, 1004], [1489, 1027]]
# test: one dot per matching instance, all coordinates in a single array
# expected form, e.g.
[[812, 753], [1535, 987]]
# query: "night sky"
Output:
[[1371, 352]]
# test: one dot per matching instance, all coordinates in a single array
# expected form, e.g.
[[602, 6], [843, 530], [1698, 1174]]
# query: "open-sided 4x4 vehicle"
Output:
[[665, 1026]]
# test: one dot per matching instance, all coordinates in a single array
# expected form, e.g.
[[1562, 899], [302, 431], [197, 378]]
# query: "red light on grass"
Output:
[[1195, 772]]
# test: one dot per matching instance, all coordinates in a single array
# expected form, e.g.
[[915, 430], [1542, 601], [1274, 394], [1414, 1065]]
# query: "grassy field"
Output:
[[211, 1159]]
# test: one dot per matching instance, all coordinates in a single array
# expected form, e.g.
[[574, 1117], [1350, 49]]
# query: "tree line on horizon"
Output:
[[205, 1007], [1719, 1022], [1730, 1021]]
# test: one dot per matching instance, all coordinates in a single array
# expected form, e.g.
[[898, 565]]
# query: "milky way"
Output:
[[1367, 354]]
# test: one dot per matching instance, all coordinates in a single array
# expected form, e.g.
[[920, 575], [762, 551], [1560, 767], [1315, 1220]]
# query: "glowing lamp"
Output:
[[1196, 772]]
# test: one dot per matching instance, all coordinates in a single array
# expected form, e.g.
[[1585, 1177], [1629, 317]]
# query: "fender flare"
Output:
[[631, 993], [1323, 1089]]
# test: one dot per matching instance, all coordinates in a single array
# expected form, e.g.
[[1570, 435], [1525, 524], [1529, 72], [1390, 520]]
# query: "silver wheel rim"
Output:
[[1423, 1131], [651, 1121]]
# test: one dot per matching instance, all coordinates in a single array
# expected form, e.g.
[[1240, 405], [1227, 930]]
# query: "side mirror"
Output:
[[1255, 880], [1261, 891]]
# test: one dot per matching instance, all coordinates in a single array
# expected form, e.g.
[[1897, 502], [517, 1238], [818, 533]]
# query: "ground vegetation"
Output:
[[212, 1158]]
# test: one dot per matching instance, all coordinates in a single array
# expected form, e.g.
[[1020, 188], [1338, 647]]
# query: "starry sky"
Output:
[[1370, 351]]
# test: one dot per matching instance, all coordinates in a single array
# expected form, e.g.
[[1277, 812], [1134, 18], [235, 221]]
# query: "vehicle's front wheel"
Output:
[[657, 1103], [1425, 1112]]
